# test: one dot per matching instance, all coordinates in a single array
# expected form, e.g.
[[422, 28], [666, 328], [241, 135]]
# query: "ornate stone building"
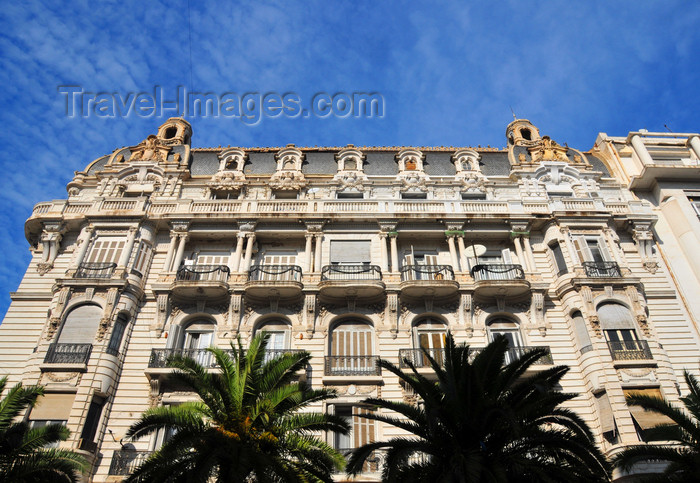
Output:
[[351, 253]]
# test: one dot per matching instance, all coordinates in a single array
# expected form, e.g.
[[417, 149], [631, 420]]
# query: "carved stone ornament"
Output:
[[151, 149], [288, 176], [230, 176], [548, 150]]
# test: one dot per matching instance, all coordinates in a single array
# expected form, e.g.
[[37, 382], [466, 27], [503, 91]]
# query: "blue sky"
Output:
[[449, 73]]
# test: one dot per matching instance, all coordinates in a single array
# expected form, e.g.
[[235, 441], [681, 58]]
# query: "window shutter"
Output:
[[646, 419], [603, 247], [143, 257], [581, 331], [52, 406], [352, 340], [105, 250], [615, 316], [350, 251], [605, 412], [582, 252], [505, 254], [80, 325]]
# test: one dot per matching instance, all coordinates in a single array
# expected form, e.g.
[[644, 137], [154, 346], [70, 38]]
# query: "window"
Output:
[[198, 337], [350, 252], [285, 195], [414, 196], [92, 421], [115, 340], [51, 408], [351, 349], [80, 325], [508, 329], [349, 195], [143, 258], [581, 331], [559, 261], [361, 432], [280, 336], [162, 435], [473, 195], [605, 413], [420, 263], [695, 201], [620, 331], [643, 419], [105, 249], [429, 334], [591, 249]]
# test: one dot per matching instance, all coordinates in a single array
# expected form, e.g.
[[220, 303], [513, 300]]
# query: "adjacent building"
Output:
[[354, 253]]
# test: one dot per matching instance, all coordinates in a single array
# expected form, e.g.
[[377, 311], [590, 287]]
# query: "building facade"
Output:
[[351, 254]]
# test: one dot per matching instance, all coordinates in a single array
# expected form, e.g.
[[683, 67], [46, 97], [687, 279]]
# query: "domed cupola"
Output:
[[522, 132]]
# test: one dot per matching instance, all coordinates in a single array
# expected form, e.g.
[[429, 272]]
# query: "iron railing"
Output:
[[272, 353], [125, 461], [351, 272], [351, 366], [427, 272], [160, 357], [374, 462], [202, 273], [59, 353], [497, 271], [602, 269], [418, 358], [275, 273], [629, 350], [95, 270]]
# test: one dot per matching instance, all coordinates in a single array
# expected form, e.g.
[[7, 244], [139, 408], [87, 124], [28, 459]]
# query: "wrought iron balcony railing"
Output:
[[602, 269], [272, 353], [160, 357], [351, 272], [59, 353], [95, 270], [351, 366], [418, 358], [203, 273], [124, 462], [373, 464], [497, 271], [427, 272], [629, 350], [275, 273]]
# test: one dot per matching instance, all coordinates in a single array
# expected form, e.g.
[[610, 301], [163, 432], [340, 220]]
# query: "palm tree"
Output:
[[251, 424], [683, 457], [484, 421], [24, 455]]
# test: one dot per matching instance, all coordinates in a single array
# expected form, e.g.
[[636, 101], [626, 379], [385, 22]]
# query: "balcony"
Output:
[[602, 269], [499, 280], [351, 366], [630, 350], [95, 270], [68, 354], [418, 358], [265, 281], [201, 281], [125, 461], [428, 280], [339, 282], [160, 357]]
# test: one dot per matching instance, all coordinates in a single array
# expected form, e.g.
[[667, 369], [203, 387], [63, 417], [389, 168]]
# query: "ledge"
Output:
[[347, 380], [55, 367]]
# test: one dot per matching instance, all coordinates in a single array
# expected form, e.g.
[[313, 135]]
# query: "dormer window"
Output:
[[411, 164], [410, 160]]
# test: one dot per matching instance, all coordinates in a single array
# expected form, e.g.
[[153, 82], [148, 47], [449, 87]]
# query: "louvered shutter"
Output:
[[605, 412], [105, 250]]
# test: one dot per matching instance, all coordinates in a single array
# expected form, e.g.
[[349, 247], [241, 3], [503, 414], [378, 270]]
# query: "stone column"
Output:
[[462, 254], [383, 250], [180, 251], [519, 253], [317, 253], [128, 248], [529, 253], [86, 236], [171, 251], [248, 252], [235, 261], [394, 254], [641, 150], [695, 145], [453, 251], [307, 253]]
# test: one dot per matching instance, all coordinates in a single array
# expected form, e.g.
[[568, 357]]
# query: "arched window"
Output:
[[429, 334], [351, 349], [581, 331], [115, 340], [280, 333], [620, 330], [510, 330], [197, 337], [80, 325]]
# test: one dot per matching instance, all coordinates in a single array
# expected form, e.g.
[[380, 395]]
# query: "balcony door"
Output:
[[208, 263], [591, 249], [496, 260], [197, 338], [430, 335], [352, 348], [279, 338], [350, 259], [419, 260], [362, 431], [511, 332], [276, 266]]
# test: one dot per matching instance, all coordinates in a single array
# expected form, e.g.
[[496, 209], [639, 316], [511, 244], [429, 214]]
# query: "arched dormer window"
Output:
[[351, 350], [410, 160]]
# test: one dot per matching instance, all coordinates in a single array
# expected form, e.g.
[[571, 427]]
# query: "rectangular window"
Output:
[[105, 250], [92, 421], [143, 258], [285, 195], [414, 196], [643, 419], [52, 408], [115, 341], [695, 201], [559, 261], [362, 431], [591, 248], [350, 252], [473, 195], [349, 195]]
